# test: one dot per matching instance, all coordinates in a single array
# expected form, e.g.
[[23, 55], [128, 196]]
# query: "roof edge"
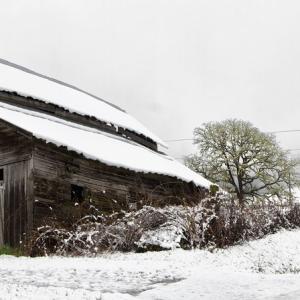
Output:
[[24, 69]]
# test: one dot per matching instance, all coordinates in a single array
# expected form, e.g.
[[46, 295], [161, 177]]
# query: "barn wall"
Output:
[[108, 188], [14, 145], [18, 202], [16, 162], [39, 177]]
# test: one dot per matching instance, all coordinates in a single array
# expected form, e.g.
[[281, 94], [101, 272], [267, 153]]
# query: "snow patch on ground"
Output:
[[263, 269], [168, 237]]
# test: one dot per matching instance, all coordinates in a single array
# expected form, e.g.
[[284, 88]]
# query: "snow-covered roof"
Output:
[[95, 144], [14, 78]]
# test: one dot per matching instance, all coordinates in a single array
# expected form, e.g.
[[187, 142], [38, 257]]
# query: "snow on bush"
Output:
[[214, 223]]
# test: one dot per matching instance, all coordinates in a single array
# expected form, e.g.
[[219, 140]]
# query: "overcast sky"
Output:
[[172, 64]]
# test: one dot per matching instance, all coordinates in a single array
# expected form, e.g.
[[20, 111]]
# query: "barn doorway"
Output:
[[1, 207]]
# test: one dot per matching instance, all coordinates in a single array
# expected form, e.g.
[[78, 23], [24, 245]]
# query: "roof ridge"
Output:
[[24, 69]]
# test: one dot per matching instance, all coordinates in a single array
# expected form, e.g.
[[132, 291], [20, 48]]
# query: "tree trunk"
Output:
[[241, 200]]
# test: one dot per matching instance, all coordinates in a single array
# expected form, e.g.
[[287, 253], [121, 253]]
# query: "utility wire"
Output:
[[284, 131], [272, 132], [182, 157], [179, 140]]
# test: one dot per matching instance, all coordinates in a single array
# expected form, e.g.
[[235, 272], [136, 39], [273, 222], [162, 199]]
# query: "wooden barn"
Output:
[[61, 147]]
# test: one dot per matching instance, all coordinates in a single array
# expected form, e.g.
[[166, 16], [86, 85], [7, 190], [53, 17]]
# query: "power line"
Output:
[[272, 132], [284, 131], [182, 157], [179, 140]]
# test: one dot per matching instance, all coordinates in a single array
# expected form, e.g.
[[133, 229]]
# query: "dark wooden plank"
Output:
[[29, 191]]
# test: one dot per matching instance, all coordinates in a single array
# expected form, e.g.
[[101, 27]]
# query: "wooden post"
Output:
[[2, 213]]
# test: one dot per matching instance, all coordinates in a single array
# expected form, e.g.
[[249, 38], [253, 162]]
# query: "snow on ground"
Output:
[[264, 269]]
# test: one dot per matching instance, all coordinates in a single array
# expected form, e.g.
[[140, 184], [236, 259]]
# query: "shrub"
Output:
[[215, 222]]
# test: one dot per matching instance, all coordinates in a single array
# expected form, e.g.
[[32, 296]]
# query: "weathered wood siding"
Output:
[[108, 188], [1, 214], [38, 178], [16, 162], [18, 202]]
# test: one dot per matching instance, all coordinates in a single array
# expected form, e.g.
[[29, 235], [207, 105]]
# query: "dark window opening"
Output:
[[1, 174], [77, 193]]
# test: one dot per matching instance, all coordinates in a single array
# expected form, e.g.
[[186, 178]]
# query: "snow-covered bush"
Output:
[[146, 229], [214, 222], [235, 224]]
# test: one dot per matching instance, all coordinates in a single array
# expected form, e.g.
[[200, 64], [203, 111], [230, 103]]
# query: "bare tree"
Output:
[[243, 160]]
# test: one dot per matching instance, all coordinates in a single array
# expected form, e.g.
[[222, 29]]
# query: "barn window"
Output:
[[1, 174], [77, 193]]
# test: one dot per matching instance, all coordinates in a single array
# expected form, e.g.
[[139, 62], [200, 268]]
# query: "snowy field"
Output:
[[264, 269]]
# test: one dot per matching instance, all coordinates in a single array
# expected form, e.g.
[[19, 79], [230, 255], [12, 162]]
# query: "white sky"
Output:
[[172, 64]]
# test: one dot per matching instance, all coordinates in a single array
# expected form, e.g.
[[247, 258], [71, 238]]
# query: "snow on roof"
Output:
[[94, 144], [14, 78]]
